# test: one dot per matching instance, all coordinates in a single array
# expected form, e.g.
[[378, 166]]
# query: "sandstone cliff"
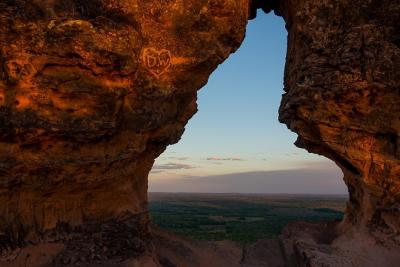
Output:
[[342, 83], [91, 92]]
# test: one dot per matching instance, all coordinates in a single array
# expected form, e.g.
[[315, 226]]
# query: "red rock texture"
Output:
[[342, 83], [91, 92]]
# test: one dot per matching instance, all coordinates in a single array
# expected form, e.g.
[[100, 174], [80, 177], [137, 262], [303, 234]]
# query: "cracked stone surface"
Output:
[[342, 83], [91, 92]]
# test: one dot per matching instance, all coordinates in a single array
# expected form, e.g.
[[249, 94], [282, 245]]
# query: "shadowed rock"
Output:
[[342, 84]]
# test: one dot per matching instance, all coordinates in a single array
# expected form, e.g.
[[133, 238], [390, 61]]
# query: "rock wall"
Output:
[[91, 92], [342, 83], [342, 98]]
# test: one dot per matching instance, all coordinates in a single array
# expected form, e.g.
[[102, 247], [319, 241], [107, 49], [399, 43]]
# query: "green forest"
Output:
[[244, 220]]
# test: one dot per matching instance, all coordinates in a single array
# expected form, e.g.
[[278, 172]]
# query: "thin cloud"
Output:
[[179, 158], [156, 171], [224, 159], [172, 166]]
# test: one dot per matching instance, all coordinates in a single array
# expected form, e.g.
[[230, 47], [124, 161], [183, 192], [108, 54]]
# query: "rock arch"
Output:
[[91, 92]]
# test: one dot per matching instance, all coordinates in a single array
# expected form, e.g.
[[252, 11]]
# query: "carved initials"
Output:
[[156, 61]]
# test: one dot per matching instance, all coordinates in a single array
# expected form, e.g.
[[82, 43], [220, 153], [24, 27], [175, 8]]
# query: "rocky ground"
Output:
[[301, 244]]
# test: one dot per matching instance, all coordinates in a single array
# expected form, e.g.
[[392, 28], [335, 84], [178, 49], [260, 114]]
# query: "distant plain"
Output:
[[244, 218]]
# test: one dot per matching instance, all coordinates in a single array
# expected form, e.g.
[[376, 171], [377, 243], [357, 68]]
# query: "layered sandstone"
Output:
[[91, 92], [342, 83]]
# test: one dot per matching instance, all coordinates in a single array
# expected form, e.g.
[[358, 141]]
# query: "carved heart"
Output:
[[156, 61]]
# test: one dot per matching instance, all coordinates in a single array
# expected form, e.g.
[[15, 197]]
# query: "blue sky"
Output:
[[235, 142]]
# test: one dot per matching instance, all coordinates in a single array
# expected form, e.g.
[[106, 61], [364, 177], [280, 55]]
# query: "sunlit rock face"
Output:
[[342, 83], [91, 92]]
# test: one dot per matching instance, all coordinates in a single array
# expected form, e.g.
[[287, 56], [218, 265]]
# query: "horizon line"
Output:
[[240, 193]]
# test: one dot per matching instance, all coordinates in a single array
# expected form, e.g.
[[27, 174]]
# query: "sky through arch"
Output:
[[235, 144]]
